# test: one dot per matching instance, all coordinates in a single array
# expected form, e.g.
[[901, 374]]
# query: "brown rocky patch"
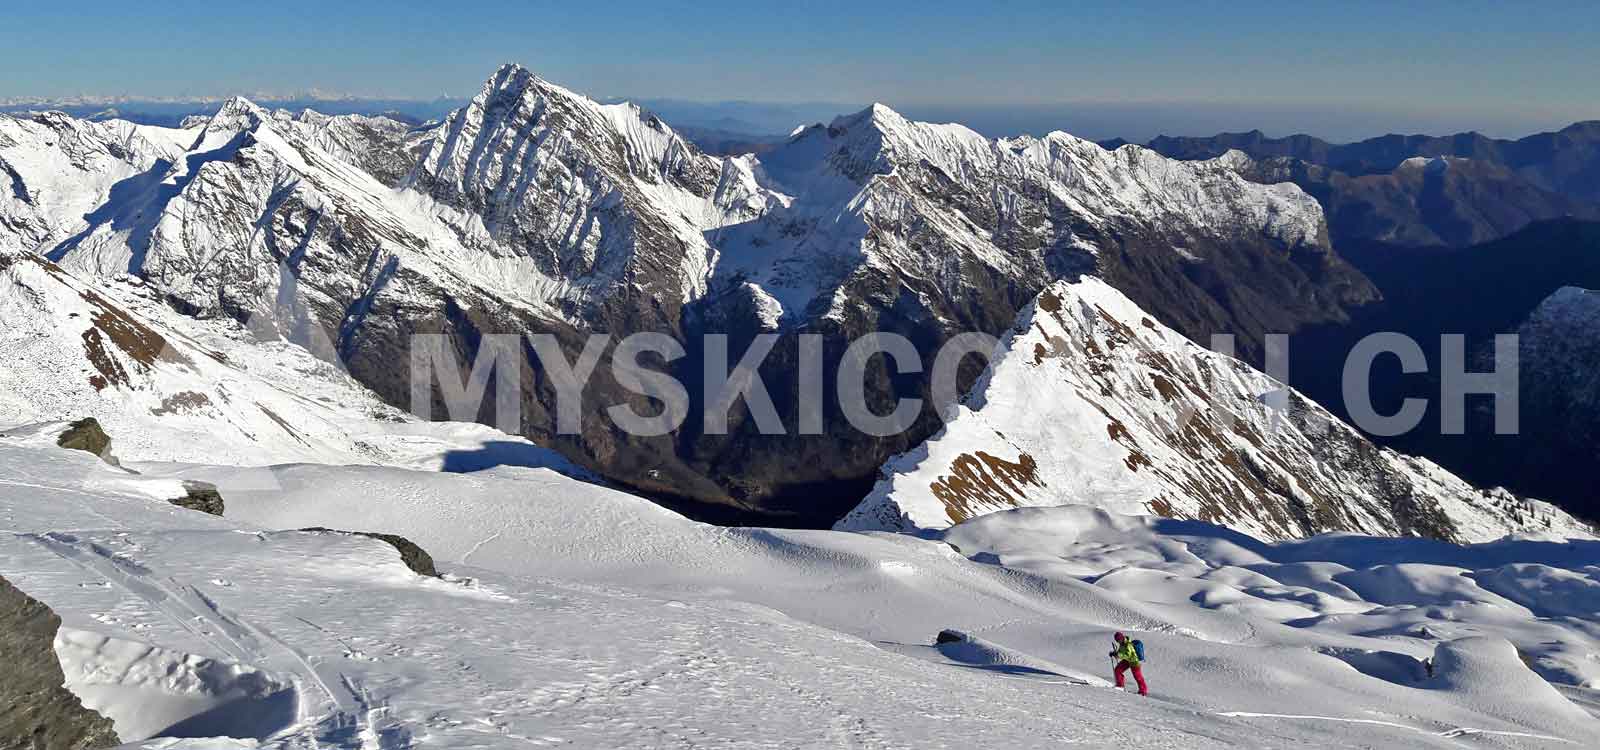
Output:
[[1168, 391], [980, 479], [111, 372], [1049, 302], [135, 339]]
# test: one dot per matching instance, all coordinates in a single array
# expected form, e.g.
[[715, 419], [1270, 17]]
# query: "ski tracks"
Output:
[[1448, 733], [332, 707]]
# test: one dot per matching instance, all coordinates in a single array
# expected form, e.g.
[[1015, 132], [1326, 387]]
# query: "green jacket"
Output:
[[1125, 652]]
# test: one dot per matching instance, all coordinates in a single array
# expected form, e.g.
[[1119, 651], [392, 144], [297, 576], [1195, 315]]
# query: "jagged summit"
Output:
[[514, 79]]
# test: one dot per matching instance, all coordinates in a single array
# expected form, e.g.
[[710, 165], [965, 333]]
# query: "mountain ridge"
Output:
[[535, 209], [1090, 402]]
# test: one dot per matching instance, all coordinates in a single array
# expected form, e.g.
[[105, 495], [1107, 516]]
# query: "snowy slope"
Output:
[[1090, 401], [168, 387], [586, 617], [55, 170]]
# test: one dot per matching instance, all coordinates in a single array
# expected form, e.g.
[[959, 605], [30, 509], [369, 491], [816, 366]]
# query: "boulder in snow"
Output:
[[38, 712], [200, 496], [87, 435]]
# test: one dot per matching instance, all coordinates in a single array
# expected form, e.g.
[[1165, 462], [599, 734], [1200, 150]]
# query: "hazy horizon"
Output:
[[1129, 70]]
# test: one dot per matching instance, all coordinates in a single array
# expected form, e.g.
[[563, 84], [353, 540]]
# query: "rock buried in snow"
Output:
[[415, 557], [87, 435], [201, 496], [38, 712], [950, 636]]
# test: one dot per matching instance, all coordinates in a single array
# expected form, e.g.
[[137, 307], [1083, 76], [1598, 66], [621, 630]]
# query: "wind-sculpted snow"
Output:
[[1522, 605], [1090, 401], [571, 613]]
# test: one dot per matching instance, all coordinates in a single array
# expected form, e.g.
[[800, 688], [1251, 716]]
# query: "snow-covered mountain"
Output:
[[1090, 401], [607, 203], [965, 228], [535, 209]]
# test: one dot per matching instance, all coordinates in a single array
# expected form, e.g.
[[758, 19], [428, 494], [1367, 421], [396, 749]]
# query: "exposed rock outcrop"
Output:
[[36, 712], [88, 436], [200, 496]]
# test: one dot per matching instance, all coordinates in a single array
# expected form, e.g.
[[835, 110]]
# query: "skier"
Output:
[[1127, 657]]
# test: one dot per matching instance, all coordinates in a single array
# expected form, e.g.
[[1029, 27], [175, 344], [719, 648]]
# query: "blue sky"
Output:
[[1505, 68]]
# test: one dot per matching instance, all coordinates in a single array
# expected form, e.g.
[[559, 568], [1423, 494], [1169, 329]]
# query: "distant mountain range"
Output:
[[170, 112], [1422, 191]]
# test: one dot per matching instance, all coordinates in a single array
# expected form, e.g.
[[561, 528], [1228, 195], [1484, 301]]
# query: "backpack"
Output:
[[1138, 648]]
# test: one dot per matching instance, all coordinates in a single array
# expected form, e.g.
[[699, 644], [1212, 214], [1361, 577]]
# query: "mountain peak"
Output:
[[515, 81], [881, 112], [236, 114]]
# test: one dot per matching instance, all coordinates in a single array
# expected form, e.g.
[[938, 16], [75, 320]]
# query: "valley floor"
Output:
[[570, 614]]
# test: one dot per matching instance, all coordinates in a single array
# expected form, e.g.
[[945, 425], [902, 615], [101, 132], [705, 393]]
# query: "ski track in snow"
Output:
[[1456, 732], [338, 713]]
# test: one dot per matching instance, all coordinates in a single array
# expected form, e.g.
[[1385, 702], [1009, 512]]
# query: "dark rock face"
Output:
[[200, 496], [36, 712], [1557, 445], [415, 557], [87, 435]]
